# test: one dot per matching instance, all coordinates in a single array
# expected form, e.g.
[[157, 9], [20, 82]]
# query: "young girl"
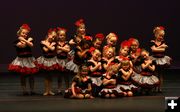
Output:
[[124, 50], [47, 62], [124, 78], [111, 41], [146, 79], [95, 70], [109, 82], [81, 85], [62, 50], [80, 32], [158, 47], [135, 52], [81, 55], [24, 62], [98, 40], [108, 57]]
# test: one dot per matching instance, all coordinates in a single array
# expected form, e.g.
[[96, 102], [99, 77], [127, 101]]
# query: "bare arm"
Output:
[[73, 88]]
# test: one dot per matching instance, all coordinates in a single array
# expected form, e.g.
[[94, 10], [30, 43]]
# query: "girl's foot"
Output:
[[51, 93], [45, 94]]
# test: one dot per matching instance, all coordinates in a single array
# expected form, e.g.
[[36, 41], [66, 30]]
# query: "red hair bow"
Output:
[[60, 28], [92, 49], [79, 22], [26, 26], [100, 36], [51, 30], [125, 43], [88, 37], [161, 28]]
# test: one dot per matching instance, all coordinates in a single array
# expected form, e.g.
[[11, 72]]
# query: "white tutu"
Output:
[[71, 66], [24, 65], [46, 63], [145, 81], [96, 80], [162, 61]]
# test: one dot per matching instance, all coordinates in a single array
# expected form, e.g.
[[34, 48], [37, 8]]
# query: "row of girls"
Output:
[[98, 70]]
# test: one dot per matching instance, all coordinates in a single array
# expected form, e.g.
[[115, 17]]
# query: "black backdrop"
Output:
[[124, 17]]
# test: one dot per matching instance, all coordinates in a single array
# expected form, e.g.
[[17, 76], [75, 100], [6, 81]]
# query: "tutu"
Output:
[[71, 66], [47, 64], [96, 80], [114, 91], [145, 81], [23, 65], [68, 93], [166, 60], [61, 63], [127, 87]]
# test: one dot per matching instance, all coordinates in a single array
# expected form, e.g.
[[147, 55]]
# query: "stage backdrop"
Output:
[[127, 18]]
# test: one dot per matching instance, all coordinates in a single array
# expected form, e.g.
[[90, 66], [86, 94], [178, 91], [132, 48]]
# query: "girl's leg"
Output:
[[50, 85], [66, 78], [60, 82], [80, 96], [130, 93], [23, 84], [46, 82], [31, 84]]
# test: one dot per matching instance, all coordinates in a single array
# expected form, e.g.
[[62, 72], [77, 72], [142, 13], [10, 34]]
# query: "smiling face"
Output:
[[125, 65], [23, 33], [81, 29], [61, 35], [134, 45], [96, 55], [97, 43], [145, 54], [51, 36], [112, 41], [109, 53], [159, 35], [124, 51]]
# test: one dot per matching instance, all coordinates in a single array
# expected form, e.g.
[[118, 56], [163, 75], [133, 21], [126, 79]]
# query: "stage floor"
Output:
[[11, 99]]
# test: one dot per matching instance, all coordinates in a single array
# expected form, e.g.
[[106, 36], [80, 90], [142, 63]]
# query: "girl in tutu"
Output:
[[95, 70], [124, 50], [135, 52], [109, 82], [24, 62], [158, 47], [47, 62], [146, 79], [98, 41], [124, 78], [111, 42], [81, 85], [62, 50], [108, 57], [81, 55]]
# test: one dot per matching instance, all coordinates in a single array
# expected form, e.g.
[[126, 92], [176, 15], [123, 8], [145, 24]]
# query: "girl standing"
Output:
[[159, 47], [47, 62], [62, 50], [24, 62]]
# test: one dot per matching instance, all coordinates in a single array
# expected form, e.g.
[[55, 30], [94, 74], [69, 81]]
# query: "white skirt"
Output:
[[23, 65], [46, 64], [162, 61], [61, 63], [96, 80], [71, 66], [145, 81]]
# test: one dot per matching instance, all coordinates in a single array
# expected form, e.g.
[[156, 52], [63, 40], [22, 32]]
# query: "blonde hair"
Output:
[[110, 35], [113, 67], [106, 48]]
